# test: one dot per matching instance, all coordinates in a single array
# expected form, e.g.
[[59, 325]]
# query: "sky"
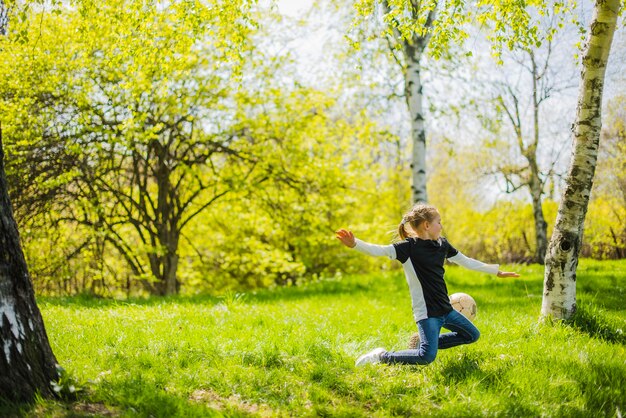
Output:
[[294, 7], [310, 38]]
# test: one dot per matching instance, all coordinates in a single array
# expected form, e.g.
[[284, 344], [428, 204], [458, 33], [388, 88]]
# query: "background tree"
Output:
[[124, 166], [139, 116], [411, 25], [412, 49], [529, 176], [559, 297], [528, 101], [27, 363]]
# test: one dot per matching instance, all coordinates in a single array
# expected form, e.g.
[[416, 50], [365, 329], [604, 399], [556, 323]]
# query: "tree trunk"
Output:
[[559, 294], [536, 184], [165, 264], [27, 364], [171, 269], [415, 98], [413, 49], [164, 268], [541, 226]]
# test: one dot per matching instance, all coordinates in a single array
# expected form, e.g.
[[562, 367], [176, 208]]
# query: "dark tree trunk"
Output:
[[164, 268], [535, 184], [541, 226], [164, 263], [27, 364]]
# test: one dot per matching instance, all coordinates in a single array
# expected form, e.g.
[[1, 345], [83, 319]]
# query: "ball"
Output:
[[464, 304]]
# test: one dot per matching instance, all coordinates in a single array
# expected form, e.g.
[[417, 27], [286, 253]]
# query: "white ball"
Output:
[[464, 304]]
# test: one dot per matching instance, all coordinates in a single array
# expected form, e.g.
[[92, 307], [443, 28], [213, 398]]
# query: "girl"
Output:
[[422, 256]]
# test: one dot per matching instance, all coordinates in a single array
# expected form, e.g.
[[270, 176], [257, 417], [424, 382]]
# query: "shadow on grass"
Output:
[[590, 320], [58, 408], [602, 386], [463, 368], [9, 410], [131, 397], [144, 397]]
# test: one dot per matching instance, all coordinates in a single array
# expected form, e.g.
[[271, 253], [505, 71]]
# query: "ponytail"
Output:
[[416, 216], [401, 231]]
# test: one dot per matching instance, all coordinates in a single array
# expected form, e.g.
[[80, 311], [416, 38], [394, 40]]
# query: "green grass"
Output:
[[291, 352]]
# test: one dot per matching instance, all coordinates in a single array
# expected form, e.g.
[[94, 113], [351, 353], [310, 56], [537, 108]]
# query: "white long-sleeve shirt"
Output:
[[423, 261]]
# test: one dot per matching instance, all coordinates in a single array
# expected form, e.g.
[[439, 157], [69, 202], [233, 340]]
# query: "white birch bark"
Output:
[[413, 89], [415, 98], [559, 294], [413, 49]]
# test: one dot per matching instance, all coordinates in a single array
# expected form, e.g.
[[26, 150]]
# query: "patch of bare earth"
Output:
[[215, 401], [96, 409]]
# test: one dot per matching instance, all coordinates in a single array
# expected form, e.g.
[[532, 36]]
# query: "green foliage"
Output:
[[505, 232], [283, 230], [605, 234], [269, 167], [508, 24], [130, 138], [518, 25], [129, 130], [291, 352]]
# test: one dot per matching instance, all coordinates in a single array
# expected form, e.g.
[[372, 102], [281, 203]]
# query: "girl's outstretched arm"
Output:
[[476, 265], [347, 238], [507, 274]]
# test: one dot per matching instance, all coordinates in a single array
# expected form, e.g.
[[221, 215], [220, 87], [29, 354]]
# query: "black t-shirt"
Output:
[[428, 257]]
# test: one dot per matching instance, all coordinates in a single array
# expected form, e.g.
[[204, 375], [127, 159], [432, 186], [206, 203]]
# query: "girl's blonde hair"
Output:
[[419, 214]]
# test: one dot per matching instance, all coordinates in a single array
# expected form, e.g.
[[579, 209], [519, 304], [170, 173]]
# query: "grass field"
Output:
[[291, 352]]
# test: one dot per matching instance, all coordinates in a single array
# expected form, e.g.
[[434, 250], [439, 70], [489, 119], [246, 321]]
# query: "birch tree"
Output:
[[413, 48], [559, 294], [27, 364]]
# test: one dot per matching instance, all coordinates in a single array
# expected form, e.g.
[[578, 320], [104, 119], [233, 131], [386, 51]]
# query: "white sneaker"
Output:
[[372, 357]]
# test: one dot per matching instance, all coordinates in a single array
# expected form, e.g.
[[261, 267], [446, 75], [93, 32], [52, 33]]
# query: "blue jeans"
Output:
[[462, 332]]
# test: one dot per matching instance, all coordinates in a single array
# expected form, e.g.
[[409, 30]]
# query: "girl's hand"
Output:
[[507, 274], [346, 238]]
